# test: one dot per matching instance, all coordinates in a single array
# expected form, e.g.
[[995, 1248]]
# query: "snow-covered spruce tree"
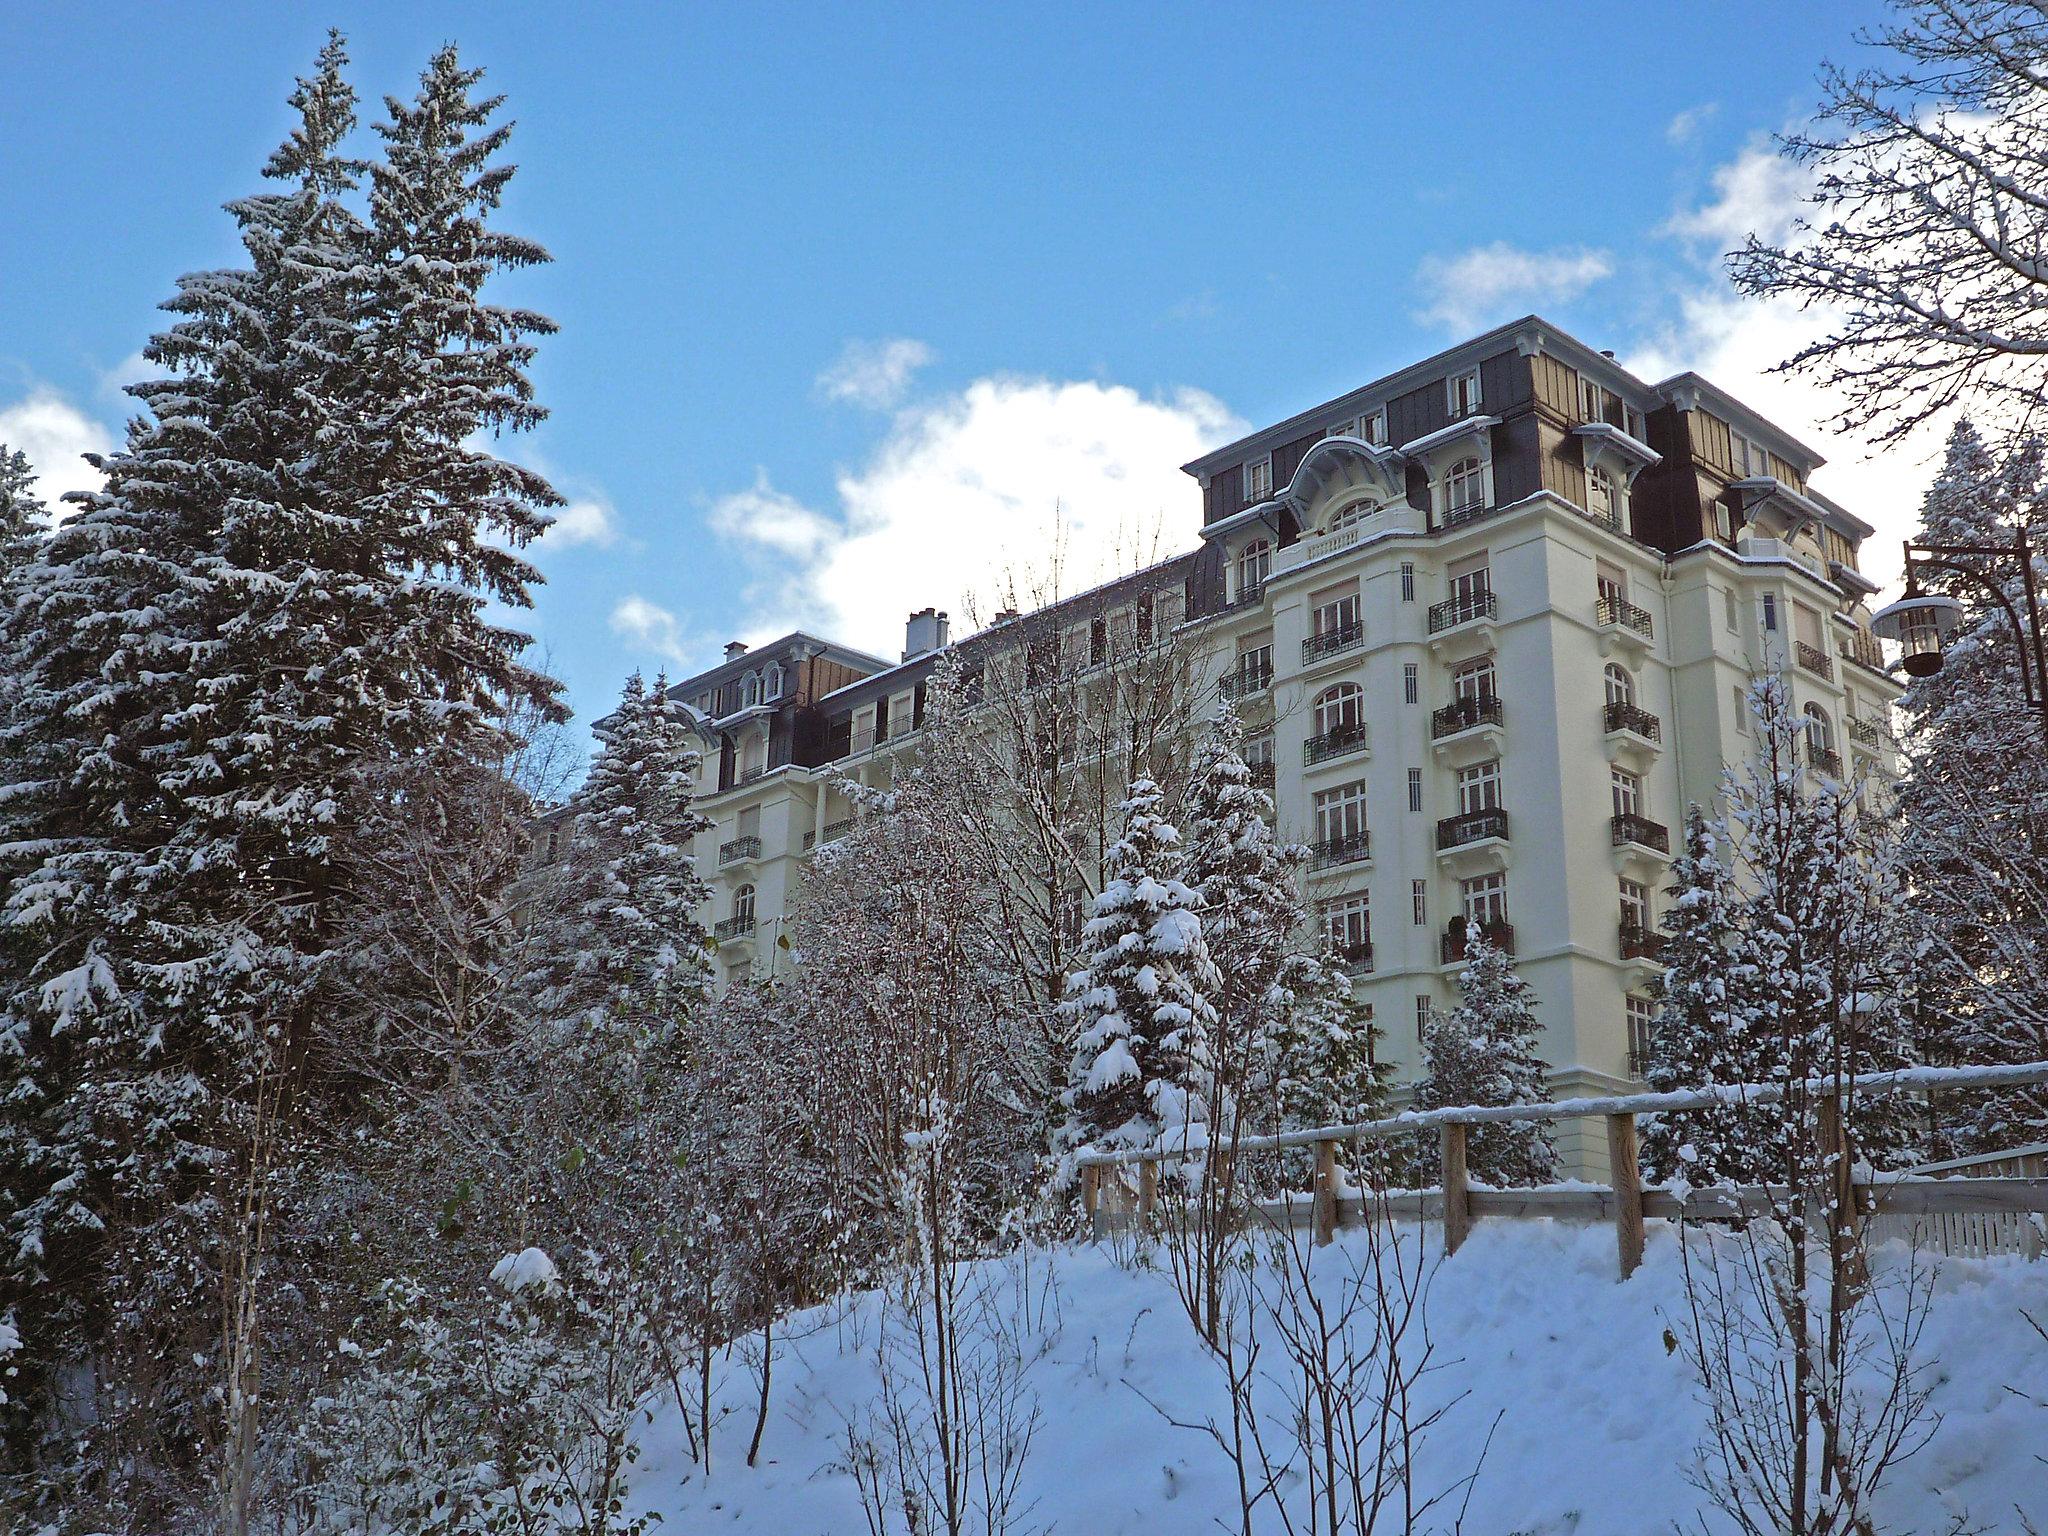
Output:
[[1140, 1013], [23, 517], [1484, 1052], [1704, 1030], [622, 941], [1974, 807]]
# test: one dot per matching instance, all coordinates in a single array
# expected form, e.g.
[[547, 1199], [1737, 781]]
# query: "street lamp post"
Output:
[[1924, 622]]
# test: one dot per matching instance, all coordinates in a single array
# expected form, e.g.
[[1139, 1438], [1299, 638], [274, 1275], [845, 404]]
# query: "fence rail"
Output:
[[1966, 1215]]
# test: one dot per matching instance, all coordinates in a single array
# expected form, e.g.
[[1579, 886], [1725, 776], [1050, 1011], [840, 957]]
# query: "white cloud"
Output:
[[1685, 126], [53, 433], [649, 626], [1003, 476], [585, 520], [874, 373], [1490, 282], [1759, 192]]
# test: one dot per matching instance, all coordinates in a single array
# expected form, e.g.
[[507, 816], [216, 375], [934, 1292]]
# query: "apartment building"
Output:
[[1490, 621]]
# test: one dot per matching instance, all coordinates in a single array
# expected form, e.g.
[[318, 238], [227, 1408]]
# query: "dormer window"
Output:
[[771, 684], [1465, 486], [1254, 563], [1748, 455], [1258, 481], [750, 690], [1603, 498], [1373, 427], [1462, 393]]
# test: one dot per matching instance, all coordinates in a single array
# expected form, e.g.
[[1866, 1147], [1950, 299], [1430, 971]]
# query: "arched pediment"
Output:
[[1341, 470]]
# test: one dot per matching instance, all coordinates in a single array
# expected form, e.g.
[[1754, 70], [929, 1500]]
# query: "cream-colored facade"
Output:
[[1475, 703]]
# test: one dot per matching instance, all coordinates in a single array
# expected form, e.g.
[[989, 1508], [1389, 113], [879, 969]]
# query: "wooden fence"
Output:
[[1966, 1215]]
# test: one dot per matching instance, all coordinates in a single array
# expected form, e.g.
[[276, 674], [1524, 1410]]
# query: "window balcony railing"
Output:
[[1355, 958], [834, 830], [1264, 776], [1457, 413], [861, 741], [1824, 759], [1641, 832], [1463, 715], [1865, 730], [1347, 637], [1639, 1061], [1471, 827], [1334, 743], [1622, 613], [1813, 659], [1468, 512], [1243, 682], [739, 848], [1249, 595], [1454, 611], [1619, 716], [1500, 935], [1347, 849], [1640, 943], [734, 928]]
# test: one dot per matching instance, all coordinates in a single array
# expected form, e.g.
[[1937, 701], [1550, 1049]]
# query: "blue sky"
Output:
[[852, 298]]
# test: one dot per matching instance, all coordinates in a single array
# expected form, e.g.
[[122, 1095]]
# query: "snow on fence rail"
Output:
[[1973, 1215]]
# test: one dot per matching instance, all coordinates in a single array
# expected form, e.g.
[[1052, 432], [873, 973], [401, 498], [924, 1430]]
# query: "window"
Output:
[[1407, 581], [1592, 401], [1352, 515], [1621, 688], [1627, 791], [1474, 681], [1348, 925], [1144, 615], [1820, 735], [1748, 455], [750, 822], [1728, 610], [743, 907], [1373, 427], [771, 687], [1806, 626], [1465, 486], [1341, 429], [1470, 580], [1258, 481], [1479, 788], [1485, 898], [1724, 522], [1603, 499], [1642, 1027], [1611, 582], [1770, 612], [1634, 897], [1414, 789], [1340, 708], [1461, 393], [1336, 614], [1258, 756], [750, 690], [1254, 561], [1418, 902], [1741, 713], [1098, 641], [1340, 813], [1411, 681], [1422, 1013]]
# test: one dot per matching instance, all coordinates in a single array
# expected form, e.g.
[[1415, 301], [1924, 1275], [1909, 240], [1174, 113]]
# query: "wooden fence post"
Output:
[[1148, 1189], [1091, 1192], [1457, 1197], [1627, 1179], [1326, 1193]]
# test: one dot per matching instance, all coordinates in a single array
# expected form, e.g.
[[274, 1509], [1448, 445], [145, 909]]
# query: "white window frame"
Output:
[[1254, 565], [1479, 787], [1625, 789], [1603, 494], [1462, 395], [1632, 898], [1476, 680], [1468, 483], [1621, 688], [1411, 682], [1418, 902], [1750, 458], [1347, 921], [1484, 898], [1339, 707], [1258, 481], [1414, 789], [1340, 812], [1339, 613], [1372, 427]]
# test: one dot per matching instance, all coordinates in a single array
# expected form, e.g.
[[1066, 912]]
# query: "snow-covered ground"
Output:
[[1597, 1418]]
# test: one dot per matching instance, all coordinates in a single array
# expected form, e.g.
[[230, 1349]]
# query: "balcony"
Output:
[[834, 830], [1470, 512], [1471, 827], [1632, 831], [1500, 935], [1824, 760], [1264, 776], [1639, 1059], [1341, 742], [1865, 732], [1355, 958], [1464, 715], [1348, 637], [734, 928], [1640, 943], [1618, 613], [739, 848], [1328, 852], [1455, 611], [1244, 682], [1247, 597], [1813, 659], [1628, 717]]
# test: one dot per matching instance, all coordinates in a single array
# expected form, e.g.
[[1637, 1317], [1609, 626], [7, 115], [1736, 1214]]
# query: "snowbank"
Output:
[[1597, 1420]]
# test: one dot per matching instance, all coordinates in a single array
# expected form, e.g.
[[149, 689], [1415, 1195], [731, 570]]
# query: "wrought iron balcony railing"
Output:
[[1454, 611], [1264, 776], [1629, 828], [1813, 659], [1346, 637], [1243, 682], [1628, 717], [1347, 849], [1333, 743], [734, 928], [1455, 943], [1471, 827], [1468, 512], [1355, 958], [1865, 730], [1824, 759], [739, 848], [1624, 614], [1640, 943], [1463, 714]]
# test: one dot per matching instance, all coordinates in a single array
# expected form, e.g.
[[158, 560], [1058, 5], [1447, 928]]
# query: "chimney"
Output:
[[925, 631], [1607, 353], [1004, 615], [735, 648]]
